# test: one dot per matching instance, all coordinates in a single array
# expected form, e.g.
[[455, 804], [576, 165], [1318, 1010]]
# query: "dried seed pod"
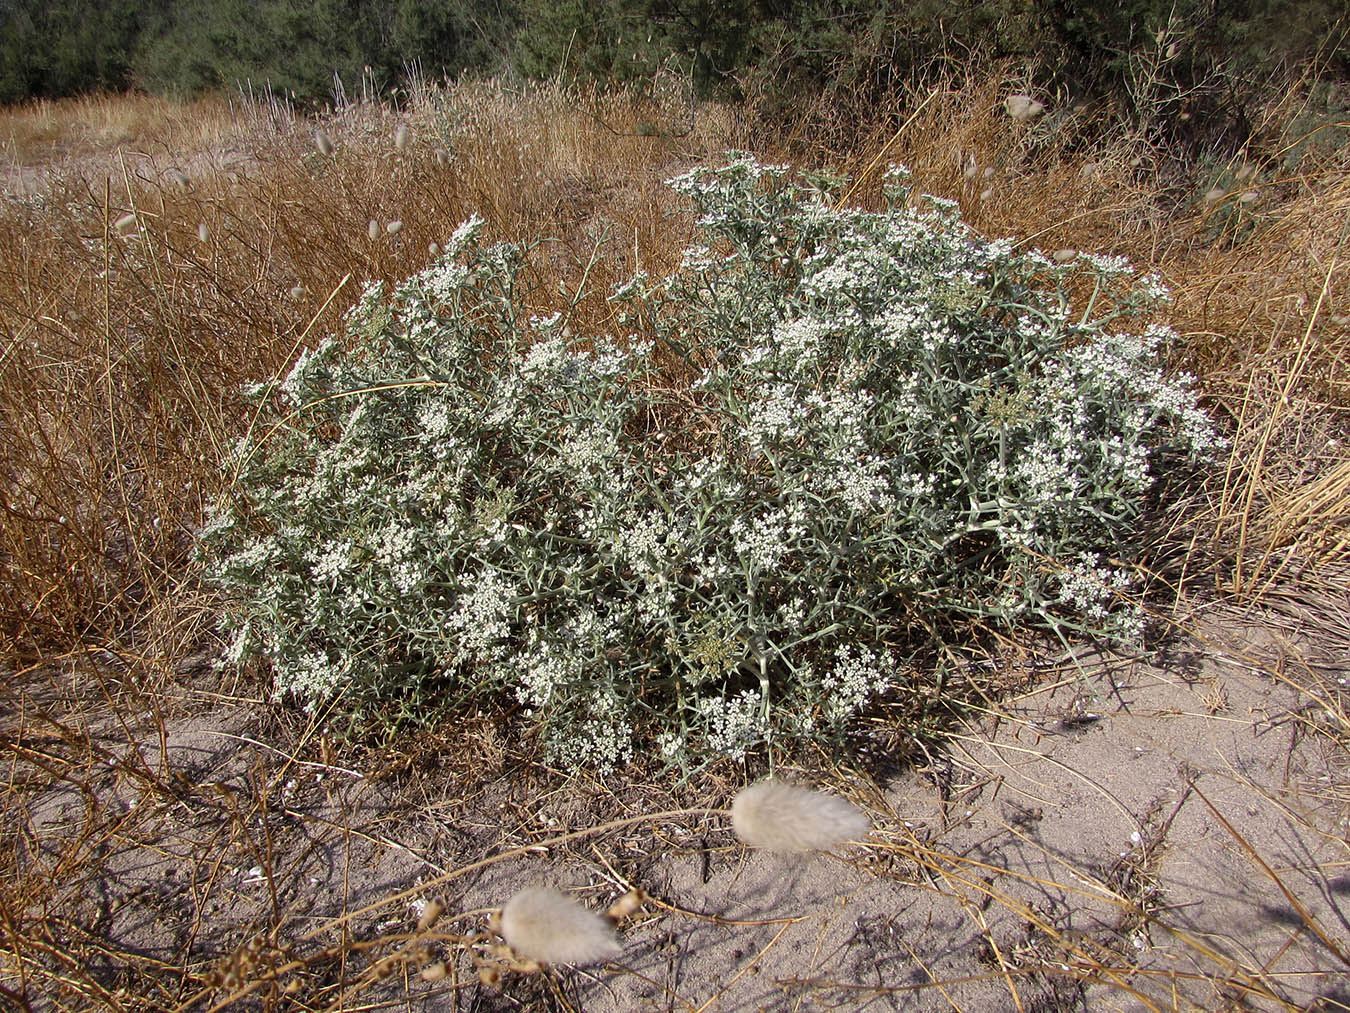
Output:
[[435, 972], [373, 230], [1064, 256], [490, 977], [627, 904], [203, 233], [394, 227], [430, 914]]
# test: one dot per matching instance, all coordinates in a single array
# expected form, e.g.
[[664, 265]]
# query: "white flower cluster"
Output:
[[733, 724], [483, 617], [761, 542], [1096, 592], [857, 675]]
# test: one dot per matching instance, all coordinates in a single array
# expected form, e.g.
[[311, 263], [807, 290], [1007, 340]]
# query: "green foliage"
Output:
[[66, 46], [786, 50], [186, 46], [894, 431]]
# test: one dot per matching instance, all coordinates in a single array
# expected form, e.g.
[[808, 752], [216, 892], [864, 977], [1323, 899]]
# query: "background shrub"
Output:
[[829, 438]]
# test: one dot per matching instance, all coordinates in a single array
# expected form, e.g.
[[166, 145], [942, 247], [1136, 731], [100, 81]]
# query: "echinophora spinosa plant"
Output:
[[893, 427]]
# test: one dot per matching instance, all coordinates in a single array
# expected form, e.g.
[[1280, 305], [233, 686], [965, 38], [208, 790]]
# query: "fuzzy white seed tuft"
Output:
[[203, 233], [393, 227], [542, 924], [1023, 107], [779, 817], [373, 230], [322, 141], [401, 138]]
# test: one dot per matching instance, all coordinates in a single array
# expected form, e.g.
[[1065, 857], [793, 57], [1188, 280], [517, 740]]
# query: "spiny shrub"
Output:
[[894, 428]]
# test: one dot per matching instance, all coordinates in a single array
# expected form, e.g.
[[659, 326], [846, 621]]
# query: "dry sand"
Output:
[[1134, 834]]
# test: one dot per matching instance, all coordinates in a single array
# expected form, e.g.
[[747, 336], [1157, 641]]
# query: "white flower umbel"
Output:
[[780, 817], [539, 923]]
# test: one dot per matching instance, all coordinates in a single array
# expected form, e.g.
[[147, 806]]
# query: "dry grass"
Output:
[[128, 338], [46, 132]]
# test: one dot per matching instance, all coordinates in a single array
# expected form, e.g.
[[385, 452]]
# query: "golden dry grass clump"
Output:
[[137, 310], [777, 816], [540, 923]]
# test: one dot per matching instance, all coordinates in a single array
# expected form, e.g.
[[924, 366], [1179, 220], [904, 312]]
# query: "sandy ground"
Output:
[[1135, 834]]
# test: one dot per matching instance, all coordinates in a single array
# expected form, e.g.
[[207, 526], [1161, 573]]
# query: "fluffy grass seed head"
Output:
[[373, 230], [542, 924], [401, 138], [322, 141], [777, 816], [394, 227], [1023, 107], [203, 233]]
